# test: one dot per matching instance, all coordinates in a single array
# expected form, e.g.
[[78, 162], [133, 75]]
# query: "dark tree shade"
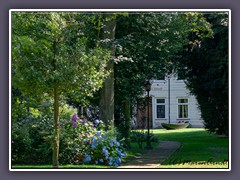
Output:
[[207, 64]]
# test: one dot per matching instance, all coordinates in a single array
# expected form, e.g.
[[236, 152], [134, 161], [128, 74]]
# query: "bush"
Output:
[[32, 132], [103, 149], [141, 137], [29, 144], [81, 142], [73, 133]]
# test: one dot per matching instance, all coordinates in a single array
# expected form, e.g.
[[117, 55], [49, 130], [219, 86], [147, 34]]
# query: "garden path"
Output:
[[153, 158]]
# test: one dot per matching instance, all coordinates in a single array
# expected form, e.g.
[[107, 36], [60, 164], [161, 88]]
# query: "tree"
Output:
[[51, 55], [207, 74], [149, 41], [107, 92]]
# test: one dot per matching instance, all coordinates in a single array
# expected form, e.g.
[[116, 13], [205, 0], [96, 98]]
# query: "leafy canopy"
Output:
[[52, 49]]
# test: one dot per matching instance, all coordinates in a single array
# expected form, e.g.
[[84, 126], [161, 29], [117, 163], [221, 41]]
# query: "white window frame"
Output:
[[181, 104], [163, 104]]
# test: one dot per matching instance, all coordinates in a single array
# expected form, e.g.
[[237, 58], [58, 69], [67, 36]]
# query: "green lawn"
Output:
[[62, 166], [199, 149]]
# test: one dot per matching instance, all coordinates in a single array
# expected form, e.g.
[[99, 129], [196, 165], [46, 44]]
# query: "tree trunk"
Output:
[[107, 92], [127, 117], [56, 129]]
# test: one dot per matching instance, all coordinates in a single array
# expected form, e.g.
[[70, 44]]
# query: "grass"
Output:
[[61, 166], [199, 149]]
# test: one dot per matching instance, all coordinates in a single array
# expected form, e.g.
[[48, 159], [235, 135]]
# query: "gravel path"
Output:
[[153, 158]]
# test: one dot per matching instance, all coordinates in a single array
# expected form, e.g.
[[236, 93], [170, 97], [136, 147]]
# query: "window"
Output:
[[160, 108], [182, 108]]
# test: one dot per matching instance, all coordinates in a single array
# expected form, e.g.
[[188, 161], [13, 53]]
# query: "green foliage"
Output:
[[54, 55], [146, 43], [207, 73], [140, 137], [73, 133], [32, 132], [104, 149], [82, 143], [48, 50], [150, 40], [28, 143]]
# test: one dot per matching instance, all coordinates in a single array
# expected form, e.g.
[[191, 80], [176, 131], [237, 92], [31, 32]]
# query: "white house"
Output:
[[173, 103]]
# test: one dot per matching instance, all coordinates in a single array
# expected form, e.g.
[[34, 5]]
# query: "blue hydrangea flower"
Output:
[[93, 145], [123, 154], [110, 161], [111, 144], [113, 140], [96, 122], [94, 142], [101, 160], [87, 159], [119, 160], [116, 164], [118, 151], [105, 151], [98, 133], [104, 148], [104, 136]]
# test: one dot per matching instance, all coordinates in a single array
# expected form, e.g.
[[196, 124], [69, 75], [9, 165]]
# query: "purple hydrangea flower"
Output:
[[62, 126], [74, 123], [74, 117]]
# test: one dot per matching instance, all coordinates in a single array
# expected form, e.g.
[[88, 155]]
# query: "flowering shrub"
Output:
[[83, 142], [103, 150], [73, 133]]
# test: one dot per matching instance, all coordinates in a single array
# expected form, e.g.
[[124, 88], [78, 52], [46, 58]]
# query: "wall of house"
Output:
[[160, 90]]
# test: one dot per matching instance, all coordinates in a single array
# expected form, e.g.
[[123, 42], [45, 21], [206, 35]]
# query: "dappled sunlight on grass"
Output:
[[197, 165], [199, 149]]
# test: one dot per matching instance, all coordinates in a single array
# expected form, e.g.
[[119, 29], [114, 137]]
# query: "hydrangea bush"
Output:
[[73, 132], [103, 150], [83, 141]]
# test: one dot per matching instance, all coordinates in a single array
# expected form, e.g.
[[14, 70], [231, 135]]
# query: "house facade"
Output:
[[171, 102]]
